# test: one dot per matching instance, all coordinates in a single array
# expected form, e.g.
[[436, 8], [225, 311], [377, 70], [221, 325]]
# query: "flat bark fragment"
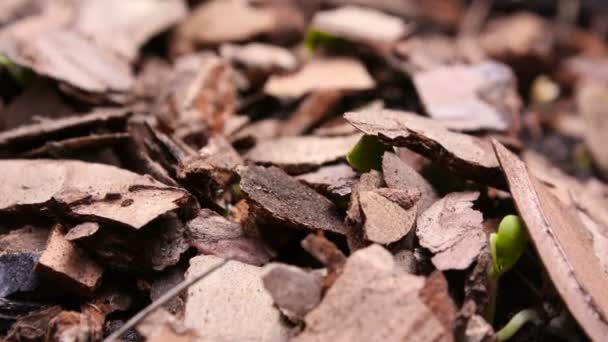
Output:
[[311, 111], [319, 74], [261, 57], [373, 300], [332, 180], [452, 231], [563, 245], [385, 220], [360, 25], [234, 293], [465, 155], [301, 153], [89, 191], [276, 196], [471, 97], [68, 265], [211, 233], [592, 101]]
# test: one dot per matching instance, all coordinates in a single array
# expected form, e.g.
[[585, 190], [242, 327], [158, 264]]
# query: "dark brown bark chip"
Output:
[[471, 97], [295, 291], [302, 153], [280, 198], [452, 231], [325, 251], [465, 155], [385, 220], [563, 245], [73, 146], [211, 233], [86, 190]]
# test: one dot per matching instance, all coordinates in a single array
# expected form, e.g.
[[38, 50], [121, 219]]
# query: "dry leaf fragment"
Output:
[[319, 74], [471, 97], [465, 155], [360, 24], [385, 220], [276, 196], [452, 231], [301, 153], [67, 264], [86, 190], [563, 245], [234, 293], [211, 233], [373, 300]]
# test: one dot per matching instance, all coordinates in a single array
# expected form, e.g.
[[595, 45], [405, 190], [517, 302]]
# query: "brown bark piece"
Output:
[[234, 293], [471, 97], [66, 263], [211, 233], [452, 231], [295, 291], [332, 180], [87, 190], [592, 101], [33, 327], [562, 244], [319, 74], [360, 24], [310, 111], [362, 303], [282, 199], [385, 220], [325, 251], [261, 57], [465, 155], [302, 153]]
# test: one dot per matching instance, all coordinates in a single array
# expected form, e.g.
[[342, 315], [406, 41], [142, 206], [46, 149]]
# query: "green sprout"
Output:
[[367, 154], [507, 245], [19, 73], [315, 38]]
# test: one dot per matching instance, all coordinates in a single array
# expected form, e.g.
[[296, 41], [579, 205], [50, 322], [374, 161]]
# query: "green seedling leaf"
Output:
[[509, 243], [20, 74], [367, 154], [315, 38], [516, 322]]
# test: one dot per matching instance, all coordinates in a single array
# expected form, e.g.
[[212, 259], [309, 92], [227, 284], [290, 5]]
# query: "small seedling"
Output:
[[367, 154], [507, 245], [315, 39], [20, 74]]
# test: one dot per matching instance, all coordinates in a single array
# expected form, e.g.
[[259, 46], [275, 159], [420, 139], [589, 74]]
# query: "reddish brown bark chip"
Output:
[[133, 22], [452, 231], [465, 155], [324, 250], [302, 153], [365, 301], [485, 96], [211, 233], [360, 24], [399, 175], [87, 190], [319, 74], [293, 290], [69, 57], [385, 220], [67, 264], [562, 244], [81, 231], [276, 196], [311, 111]]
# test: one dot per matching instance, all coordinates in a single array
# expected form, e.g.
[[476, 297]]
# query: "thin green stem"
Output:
[[516, 322]]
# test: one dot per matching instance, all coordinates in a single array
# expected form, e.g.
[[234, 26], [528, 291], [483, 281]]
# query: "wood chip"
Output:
[[592, 101], [363, 302], [302, 153], [234, 293], [318, 74], [68, 265], [311, 111], [385, 220], [562, 244], [276, 196], [331, 180], [133, 22], [452, 231], [399, 175], [211, 233], [465, 155], [360, 24], [69, 57], [295, 291], [471, 97], [90, 191], [260, 57], [325, 251]]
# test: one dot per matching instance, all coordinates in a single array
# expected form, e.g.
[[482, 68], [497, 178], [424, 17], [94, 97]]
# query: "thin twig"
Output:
[[162, 300]]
